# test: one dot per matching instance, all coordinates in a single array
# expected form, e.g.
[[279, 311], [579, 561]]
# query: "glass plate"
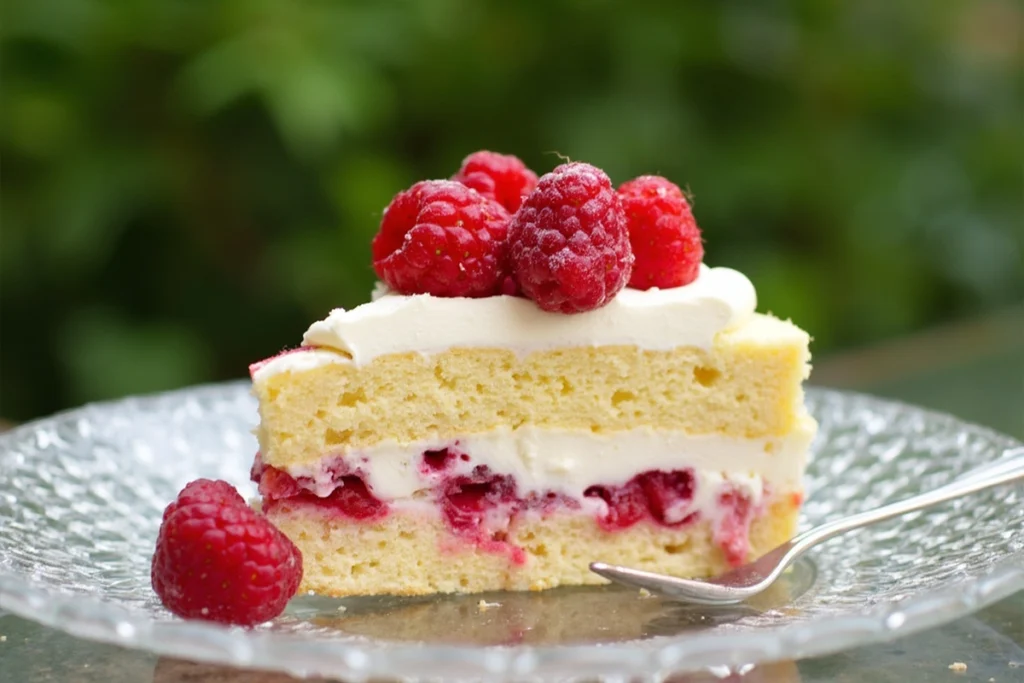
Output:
[[81, 496]]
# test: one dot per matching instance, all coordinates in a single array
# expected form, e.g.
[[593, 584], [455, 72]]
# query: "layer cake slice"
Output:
[[421, 444]]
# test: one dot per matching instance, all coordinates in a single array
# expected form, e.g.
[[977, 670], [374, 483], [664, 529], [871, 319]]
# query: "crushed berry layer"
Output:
[[350, 496], [662, 497], [481, 506]]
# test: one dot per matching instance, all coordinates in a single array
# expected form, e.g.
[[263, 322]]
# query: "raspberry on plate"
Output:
[[440, 237], [205, 491], [568, 243], [663, 233], [501, 177], [218, 560]]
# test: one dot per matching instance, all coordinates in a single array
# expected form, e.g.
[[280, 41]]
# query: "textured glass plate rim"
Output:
[[655, 659]]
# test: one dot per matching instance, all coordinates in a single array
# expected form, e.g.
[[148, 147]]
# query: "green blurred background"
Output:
[[186, 185]]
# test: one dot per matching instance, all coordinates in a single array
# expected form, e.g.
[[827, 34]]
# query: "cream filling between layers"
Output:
[[569, 462], [653, 319]]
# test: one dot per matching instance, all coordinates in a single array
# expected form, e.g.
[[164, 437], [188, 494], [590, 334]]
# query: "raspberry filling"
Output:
[[350, 497], [732, 533], [467, 501], [439, 461], [663, 497], [480, 506]]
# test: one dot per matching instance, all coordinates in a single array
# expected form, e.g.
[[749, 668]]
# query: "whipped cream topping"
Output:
[[654, 319], [569, 462]]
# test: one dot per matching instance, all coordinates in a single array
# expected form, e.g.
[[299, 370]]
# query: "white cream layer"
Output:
[[297, 360], [657, 319], [569, 462]]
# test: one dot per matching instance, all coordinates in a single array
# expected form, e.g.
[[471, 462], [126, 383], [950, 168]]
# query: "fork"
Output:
[[754, 577]]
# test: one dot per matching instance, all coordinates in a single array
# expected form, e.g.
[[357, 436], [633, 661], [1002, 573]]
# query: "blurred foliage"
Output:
[[186, 185]]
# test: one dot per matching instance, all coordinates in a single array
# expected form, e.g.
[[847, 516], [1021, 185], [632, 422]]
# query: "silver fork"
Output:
[[754, 577]]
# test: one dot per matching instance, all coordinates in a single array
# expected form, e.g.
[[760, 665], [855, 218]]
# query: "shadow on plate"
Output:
[[588, 615]]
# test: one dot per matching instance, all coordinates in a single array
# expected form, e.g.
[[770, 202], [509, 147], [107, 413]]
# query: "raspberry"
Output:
[[217, 560], [509, 287], [501, 177], [663, 233], [440, 237], [205, 491], [568, 243]]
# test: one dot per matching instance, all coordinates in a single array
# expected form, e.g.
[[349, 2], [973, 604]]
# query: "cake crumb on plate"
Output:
[[958, 667], [483, 605]]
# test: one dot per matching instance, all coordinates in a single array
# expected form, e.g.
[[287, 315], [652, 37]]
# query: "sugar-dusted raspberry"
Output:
[[502, 177], [568, 244], [440, 237], [218, 560], [663, 233]]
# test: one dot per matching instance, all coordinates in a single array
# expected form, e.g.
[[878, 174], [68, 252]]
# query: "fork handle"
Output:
[[998, 473]]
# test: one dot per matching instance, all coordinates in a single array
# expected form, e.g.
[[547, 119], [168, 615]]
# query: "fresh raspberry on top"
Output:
[[509, 287], [502, 177], [568, 243], [218, 560], [665, 237], [440, 237]]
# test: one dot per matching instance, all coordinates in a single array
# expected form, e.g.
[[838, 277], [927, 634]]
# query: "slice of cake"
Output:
[[506, 411]]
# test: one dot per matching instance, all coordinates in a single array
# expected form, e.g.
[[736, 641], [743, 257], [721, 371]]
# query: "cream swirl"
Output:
[[655, 319]]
